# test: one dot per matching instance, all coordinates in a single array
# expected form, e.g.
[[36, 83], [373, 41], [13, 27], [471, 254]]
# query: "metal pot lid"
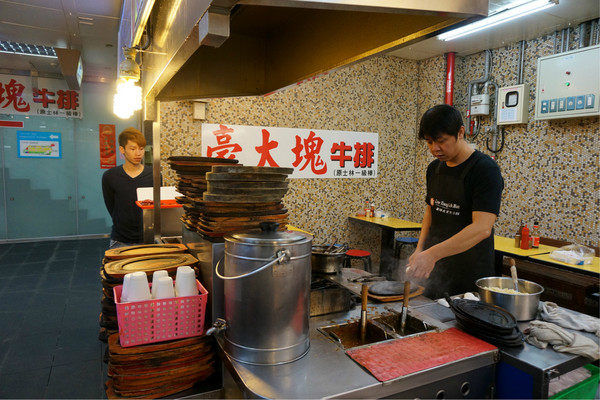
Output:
[[268, 233]]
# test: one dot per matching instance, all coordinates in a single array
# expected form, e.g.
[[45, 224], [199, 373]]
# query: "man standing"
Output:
[[464, 188], [119, 187]]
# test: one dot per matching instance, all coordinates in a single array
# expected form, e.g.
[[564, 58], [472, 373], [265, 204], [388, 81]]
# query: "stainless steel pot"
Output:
[[266, 295], [326, 262], [522, 305]]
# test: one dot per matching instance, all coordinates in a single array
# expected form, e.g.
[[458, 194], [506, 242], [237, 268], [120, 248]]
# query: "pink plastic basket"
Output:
[[151, 321]]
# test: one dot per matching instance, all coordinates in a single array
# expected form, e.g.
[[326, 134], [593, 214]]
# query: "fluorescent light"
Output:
[[509, 14], [26, 49]]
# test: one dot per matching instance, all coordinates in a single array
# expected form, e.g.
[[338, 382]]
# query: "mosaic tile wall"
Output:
[[550, 169]]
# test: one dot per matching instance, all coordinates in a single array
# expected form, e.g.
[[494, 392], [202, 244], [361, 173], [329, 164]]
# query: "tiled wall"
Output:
[[550, 169]]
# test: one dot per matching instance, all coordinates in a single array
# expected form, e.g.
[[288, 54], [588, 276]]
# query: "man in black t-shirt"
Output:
[[464, 187], [119, 187]]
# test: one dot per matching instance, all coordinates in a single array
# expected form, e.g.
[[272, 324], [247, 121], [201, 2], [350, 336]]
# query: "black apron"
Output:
[[451, 211]]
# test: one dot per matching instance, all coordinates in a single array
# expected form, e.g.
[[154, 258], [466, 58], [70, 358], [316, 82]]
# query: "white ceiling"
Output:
[[567, 13], [92, 27]]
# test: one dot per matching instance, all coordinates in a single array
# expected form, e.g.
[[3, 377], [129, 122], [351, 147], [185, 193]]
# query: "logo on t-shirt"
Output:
[[444, 207]]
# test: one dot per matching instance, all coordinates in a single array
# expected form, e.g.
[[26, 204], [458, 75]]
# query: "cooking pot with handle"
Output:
[[266, 291]]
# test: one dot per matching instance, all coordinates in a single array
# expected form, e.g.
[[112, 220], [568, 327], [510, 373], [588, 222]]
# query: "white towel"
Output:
[[541, 334], [551, 312]]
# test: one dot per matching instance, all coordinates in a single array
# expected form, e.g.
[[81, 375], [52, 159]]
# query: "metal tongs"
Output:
[[404, 306]]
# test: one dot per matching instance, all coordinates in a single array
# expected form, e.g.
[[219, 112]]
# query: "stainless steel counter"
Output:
[[327, 372]]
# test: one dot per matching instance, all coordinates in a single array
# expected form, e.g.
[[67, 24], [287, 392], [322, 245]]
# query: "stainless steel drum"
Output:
[[267, 295]]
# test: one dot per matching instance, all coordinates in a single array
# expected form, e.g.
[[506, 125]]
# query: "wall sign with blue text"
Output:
[[39, 144]]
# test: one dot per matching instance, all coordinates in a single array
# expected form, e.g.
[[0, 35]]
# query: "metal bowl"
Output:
[[523, 305], [328, 263]]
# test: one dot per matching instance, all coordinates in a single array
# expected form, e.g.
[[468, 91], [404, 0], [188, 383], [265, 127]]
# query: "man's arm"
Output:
[[108, 193], [421, 263]]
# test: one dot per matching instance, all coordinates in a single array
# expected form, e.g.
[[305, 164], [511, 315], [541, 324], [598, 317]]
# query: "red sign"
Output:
[[108, 150], [11, 124]]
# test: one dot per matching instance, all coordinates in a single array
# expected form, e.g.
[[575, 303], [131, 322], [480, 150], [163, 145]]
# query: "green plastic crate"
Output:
[[585, 389]]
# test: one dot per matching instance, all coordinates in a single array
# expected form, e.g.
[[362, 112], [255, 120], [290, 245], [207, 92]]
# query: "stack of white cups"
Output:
[[162, 285], [185, 282], [136, 288]]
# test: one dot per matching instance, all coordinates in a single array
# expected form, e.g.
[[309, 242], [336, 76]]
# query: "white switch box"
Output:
[[513, 105]]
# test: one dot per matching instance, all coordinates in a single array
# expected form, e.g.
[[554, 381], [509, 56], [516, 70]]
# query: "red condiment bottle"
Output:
[[525, 238]]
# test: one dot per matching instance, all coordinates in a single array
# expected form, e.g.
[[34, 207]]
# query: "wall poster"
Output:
[[108, 149], [39, 144], [313, 153]]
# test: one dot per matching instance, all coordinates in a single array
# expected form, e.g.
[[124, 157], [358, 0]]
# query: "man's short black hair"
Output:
[[438, 120]]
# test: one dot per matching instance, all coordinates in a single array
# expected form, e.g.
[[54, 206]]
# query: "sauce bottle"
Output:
[[535, 236], [367, 208], [518, 236], [525, 238]]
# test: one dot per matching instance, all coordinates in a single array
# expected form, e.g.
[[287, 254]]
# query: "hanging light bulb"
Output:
[[128, 98]]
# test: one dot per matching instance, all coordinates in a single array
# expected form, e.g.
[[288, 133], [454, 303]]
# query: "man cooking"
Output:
[[464, 187]]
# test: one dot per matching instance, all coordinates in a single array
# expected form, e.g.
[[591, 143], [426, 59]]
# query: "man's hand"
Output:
[[420, 265]]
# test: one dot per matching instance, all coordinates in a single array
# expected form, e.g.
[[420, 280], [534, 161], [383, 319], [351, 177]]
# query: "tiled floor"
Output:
[[49, 306]]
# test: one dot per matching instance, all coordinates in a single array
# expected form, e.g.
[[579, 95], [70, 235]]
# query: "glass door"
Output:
[[39, 178]]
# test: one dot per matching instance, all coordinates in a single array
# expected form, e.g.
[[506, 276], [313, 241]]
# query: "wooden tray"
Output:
[[210, 214], [418, 292], [245, 184], [237, 198], [225, 176], [144, 250], [240, 169], [247, 191], [148, 264], [203, 159]]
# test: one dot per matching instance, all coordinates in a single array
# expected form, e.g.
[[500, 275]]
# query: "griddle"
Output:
[[390, 288]]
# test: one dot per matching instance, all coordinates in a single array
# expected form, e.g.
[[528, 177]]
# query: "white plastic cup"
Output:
[[185, 282], [158, 274], [164, 288], [125, 290], [138, 290]]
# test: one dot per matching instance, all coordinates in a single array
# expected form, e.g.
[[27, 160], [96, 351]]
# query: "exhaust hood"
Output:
[[203, 49]]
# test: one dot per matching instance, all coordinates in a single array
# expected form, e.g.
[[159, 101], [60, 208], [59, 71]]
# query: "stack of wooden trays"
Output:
[[239, 198], [159, 369], [229, 198], [147, 258], [191, 173]]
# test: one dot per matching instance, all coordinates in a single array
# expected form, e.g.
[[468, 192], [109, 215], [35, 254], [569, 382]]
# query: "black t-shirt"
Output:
[[483, 184], [120, 194], [453, 194]]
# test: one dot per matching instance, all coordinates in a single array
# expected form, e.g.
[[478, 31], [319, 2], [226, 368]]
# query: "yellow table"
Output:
[[507, 246], [590, 269], [504, 246], [388, 227]]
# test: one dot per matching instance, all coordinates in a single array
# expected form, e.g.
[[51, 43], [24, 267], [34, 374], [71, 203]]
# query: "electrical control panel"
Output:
[[568, 84], [513, 105]]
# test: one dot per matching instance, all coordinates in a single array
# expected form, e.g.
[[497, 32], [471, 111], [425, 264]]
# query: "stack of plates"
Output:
[[487, 322]]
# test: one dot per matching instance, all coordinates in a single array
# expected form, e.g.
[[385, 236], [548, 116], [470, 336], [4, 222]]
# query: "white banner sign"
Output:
[[312, 153], [49, 97]]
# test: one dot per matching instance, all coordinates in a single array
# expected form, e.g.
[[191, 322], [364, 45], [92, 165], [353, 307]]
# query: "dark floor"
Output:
[[49, 307]]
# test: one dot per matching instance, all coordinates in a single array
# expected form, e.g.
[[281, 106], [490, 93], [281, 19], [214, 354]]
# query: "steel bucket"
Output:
[[266, 295]]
